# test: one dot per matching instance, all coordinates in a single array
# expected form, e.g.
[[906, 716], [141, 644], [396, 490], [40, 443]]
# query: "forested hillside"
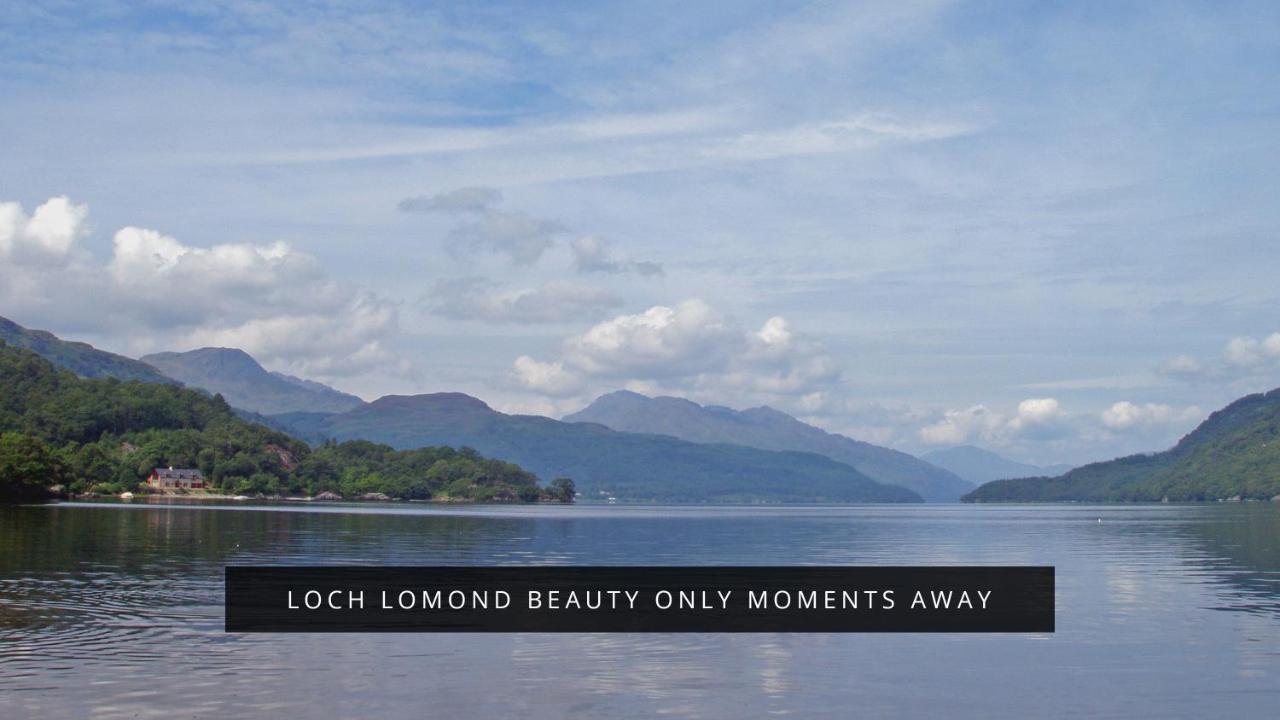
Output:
[[1235, 453], [106, 435], [80, 358]]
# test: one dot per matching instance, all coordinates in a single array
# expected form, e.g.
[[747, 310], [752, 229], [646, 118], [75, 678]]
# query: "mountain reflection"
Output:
[[119, 607]]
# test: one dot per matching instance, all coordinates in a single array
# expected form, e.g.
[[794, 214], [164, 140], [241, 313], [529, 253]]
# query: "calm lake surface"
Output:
[[115, 610]]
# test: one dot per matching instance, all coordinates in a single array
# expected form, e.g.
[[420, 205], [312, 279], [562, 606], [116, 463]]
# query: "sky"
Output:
[[1048, 229]]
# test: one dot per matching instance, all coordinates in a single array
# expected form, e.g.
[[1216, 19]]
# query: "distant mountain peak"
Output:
[[452, 400], [767, 413], [229, 353], [221, 359], [966, 451], [766, 428], [623, 395], [601, 461], [979, 465], [245, 384]]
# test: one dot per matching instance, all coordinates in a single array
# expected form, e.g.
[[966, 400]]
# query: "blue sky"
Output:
[[1045, 228]]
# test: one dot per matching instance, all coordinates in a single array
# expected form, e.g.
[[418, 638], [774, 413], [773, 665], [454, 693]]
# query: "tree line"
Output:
[[106, 436], [1232, 455]]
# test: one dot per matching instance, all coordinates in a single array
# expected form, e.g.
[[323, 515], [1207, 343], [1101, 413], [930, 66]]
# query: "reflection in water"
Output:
[[1239, 554], [115, 611]]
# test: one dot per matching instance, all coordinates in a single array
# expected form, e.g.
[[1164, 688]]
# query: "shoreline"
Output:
[[220, 497]]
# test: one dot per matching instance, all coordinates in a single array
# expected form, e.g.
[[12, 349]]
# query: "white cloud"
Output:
[[777, 361], [1038, 425], [482, 300], [546, 378], [1243, 357], [1182, 366], [684, 340], [962, 426], [1037, 411], [774, 334], [1041, 418], [157, 293], [1125, 415], [692, 348], [1243, 352], [342, 341], [1038, 419], [142, 257], [1249, 352], [48, 233]]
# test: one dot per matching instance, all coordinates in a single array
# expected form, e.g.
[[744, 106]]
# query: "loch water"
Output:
[[114, 610]]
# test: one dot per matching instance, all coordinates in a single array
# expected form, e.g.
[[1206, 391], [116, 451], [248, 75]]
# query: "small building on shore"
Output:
[[176, 479]]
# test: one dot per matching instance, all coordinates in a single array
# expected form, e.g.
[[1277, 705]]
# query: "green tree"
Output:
[[562, 489], [105, 435], [27, 467]]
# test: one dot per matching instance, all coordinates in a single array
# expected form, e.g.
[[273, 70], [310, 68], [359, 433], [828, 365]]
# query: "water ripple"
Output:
[[115, 611]]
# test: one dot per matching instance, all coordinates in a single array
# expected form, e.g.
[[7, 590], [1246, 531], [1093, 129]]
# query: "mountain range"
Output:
[[80, 358], [625, 465], [103, 436], [640, 448], [1232, 455], [768, 429], [980, 466], [247, 385], [602, 462]]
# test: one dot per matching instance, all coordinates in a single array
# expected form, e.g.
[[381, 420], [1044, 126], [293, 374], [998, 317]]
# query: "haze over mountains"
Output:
[[247, 385], [768, 429], [626, 465], [601, 461], [980, 466], [703, 454], [1232, 455]]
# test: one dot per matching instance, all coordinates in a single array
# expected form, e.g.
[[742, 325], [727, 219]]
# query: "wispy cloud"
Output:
[[489, 302], [857, 132], [593, 255], [951, 207]]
